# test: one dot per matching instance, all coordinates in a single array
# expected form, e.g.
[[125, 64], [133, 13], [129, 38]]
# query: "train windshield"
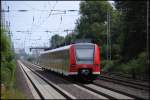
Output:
[[84, 54]]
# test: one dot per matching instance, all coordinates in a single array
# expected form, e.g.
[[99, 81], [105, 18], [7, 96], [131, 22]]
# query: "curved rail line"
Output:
[[98, 92], [58, 89], [125, 83], [124, 93], [37, 90], [75, 84]]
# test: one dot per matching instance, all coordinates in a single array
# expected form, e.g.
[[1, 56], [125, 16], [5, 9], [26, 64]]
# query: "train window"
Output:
[[85, 54]]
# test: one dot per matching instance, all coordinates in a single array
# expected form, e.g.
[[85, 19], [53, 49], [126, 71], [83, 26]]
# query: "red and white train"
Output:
[[80, 59]]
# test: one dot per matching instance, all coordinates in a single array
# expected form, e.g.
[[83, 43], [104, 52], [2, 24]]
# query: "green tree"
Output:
[[70, 39], [56, 40], [131, 37], [92, 23], [134, 21], [116, 34], [7, 60]]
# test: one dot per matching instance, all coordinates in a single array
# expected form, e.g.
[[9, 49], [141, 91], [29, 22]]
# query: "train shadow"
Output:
[[57, 78], [53, 77], [82, 81]]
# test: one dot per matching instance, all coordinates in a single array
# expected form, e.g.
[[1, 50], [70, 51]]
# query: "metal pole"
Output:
[[107, 36], [109, 39], [147, 32]]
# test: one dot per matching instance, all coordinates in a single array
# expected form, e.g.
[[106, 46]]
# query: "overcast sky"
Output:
[[39, 19]]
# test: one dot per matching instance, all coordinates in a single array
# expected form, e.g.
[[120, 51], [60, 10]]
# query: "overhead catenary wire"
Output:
[[47, 17], [34, 20], [29, 32], [31, 28], [40, 10]]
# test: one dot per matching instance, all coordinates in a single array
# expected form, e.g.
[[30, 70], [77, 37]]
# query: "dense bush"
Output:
[[8, 67], [107, 65], [7, 60], [136, 67]]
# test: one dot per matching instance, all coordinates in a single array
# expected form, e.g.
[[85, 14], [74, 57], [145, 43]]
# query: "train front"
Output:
[[85, 61]]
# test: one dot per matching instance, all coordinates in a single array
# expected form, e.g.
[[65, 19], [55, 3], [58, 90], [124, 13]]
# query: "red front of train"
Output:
[[85, 61]]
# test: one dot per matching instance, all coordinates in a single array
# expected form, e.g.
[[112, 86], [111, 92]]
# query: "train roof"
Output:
[[83, 44], [57, 49], [64, 47]]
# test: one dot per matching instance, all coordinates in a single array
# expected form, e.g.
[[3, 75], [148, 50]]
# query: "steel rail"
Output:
[[37, 90], [65, 94], [125, 83], [93, 90]]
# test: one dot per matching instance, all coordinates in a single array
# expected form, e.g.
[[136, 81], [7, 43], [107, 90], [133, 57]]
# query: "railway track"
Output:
[[119, 81], [103, 92], [111, 93], [43, 88], [130, 78], [84, 89], [125, 83]]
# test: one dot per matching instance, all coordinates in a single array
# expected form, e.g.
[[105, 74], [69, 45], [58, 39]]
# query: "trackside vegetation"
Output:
[[8, 67]]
